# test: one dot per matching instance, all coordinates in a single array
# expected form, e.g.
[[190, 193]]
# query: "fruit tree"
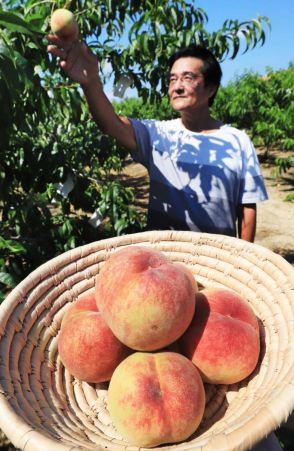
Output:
[[53, 160]]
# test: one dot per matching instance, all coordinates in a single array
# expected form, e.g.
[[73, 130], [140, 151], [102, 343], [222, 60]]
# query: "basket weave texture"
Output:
[[43, 408]]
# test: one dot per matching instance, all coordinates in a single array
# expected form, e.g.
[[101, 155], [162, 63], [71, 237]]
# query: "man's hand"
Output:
[[77, 61]]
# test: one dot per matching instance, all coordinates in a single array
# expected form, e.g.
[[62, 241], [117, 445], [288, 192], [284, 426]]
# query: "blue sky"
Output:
[[278, 49]]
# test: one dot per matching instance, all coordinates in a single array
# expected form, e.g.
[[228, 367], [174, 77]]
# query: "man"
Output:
[[204, 175]]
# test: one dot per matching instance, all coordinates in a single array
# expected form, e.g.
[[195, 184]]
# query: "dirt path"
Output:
[[275, 220]]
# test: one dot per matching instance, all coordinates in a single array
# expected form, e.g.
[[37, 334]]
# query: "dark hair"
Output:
[[211, 68]]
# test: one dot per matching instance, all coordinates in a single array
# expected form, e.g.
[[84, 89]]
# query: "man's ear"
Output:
[[211, 90]]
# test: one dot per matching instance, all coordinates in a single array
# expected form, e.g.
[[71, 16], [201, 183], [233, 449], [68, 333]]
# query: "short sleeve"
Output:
[[252, 188], [142, 153]]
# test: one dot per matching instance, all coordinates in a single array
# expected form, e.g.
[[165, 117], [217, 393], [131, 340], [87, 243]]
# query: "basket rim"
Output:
[[9, 418], [158, 235]]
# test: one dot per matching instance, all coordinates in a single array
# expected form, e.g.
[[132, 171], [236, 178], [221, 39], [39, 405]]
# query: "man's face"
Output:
[[187, 88]]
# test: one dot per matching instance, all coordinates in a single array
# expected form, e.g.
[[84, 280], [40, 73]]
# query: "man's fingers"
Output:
[[65, 43], [68, 55], [55, 40], [75, 56], [58, 52]]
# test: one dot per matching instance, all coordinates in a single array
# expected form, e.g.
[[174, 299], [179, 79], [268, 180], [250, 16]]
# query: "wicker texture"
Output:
[[42, 407]]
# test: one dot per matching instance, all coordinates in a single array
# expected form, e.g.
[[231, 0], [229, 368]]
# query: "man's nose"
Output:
[[179, 84]]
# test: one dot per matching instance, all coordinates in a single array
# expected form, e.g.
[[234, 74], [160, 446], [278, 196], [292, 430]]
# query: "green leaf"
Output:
[[7, 279], [144, 41], [236, 46], [136, 26], [109, 7], [15, 23], [12, 246], [174, 15]]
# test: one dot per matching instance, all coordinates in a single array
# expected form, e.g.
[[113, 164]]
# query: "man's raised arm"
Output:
[[82, 66]]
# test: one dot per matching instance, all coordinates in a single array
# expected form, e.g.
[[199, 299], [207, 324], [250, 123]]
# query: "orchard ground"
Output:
[[274, 226], [275, 216]]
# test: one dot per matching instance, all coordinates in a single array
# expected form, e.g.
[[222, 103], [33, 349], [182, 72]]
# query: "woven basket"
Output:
[[43, 408]]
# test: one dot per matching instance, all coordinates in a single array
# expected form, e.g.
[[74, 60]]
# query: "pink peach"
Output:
[[86, 302], [223, 338], [156, 398], [86, 345], [63, 23], [146, 299]]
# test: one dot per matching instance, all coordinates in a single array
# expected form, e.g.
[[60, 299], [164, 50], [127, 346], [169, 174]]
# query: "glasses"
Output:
[[187, 78]]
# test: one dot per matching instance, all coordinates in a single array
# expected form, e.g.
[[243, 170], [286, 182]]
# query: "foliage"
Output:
[[137, 108], [9, 271], [150, 31], [283, 164], [264, 106], [47, 140], [289, 197]]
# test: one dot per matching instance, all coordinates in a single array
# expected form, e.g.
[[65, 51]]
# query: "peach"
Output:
[[156, 398], [223, 338], [86, 302], [87, 347], [189, 274], [147, 300], [63, 24]]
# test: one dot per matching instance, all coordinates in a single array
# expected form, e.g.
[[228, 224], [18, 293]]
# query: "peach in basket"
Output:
[[42, 406]]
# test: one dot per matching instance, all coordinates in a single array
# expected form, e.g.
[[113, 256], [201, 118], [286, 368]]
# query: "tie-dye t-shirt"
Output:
[[197, 180]]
